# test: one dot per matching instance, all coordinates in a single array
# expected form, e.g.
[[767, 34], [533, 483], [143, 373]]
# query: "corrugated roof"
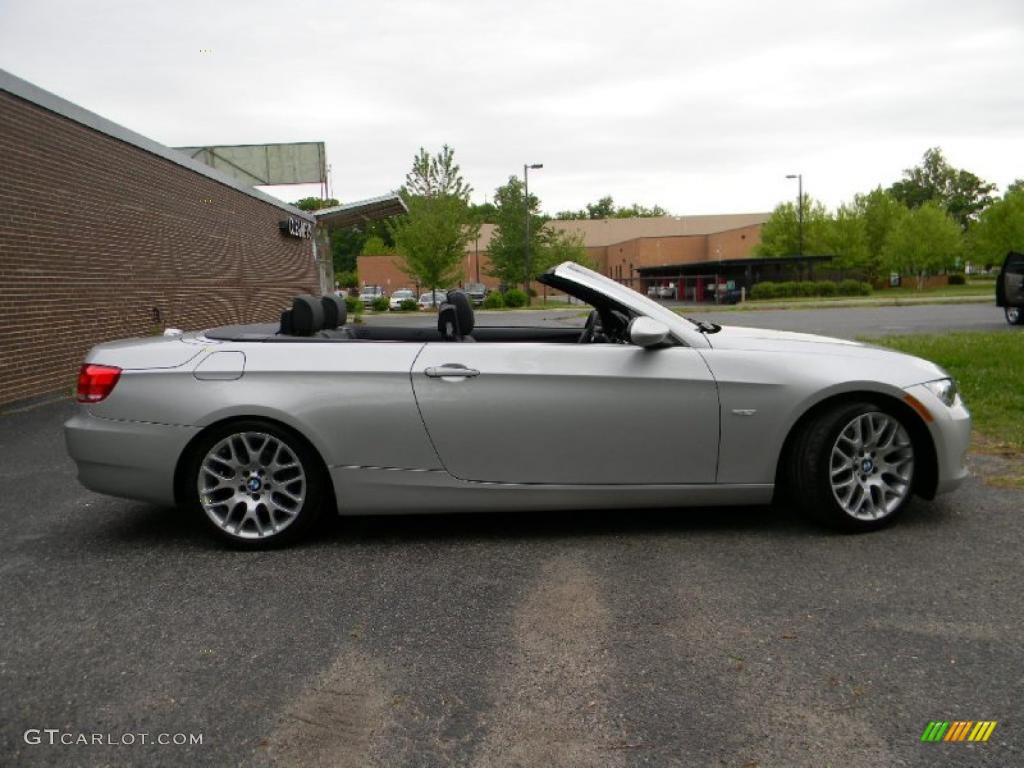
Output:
[[603, 232], [49, 101], [360, 211]]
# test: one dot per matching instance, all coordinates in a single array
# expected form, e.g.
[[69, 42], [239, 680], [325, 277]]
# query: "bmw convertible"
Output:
[[260, 428]]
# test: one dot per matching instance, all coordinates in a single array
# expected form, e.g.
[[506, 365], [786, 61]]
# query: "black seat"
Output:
[[335, 312], [305, 318], [455, 319]]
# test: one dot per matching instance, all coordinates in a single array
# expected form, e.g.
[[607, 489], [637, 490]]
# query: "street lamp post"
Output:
[[799, 207], [526, 249]]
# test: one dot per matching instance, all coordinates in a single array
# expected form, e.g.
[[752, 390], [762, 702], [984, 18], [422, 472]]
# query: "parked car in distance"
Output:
[[1010, 288], [432, 300], [477, 292], [667, 291], [370, 293], [398, 297]]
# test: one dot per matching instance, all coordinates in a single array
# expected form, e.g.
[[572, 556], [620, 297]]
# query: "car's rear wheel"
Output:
[[1014, 316], [853, 467], [256, 484]]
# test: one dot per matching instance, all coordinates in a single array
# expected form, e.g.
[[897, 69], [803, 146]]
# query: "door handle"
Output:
[[451, 370]]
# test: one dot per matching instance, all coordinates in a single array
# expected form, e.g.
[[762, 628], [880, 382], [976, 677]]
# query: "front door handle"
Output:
[[451, 371]]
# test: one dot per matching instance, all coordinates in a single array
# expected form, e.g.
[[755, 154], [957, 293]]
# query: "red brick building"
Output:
[[106, 234], [617, 247]]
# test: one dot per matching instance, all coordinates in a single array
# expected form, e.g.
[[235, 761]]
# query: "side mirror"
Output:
[[645, 332]]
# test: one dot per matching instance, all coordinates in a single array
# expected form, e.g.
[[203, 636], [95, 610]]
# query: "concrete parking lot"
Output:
[[719, 637]]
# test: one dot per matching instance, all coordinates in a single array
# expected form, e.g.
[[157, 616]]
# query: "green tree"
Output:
[[507, 249], [780, 235], [605, 208], [315, 203], [999, 230], [374, 245], [962, 194], [925, 240], [846, 239], [432, 237], [558, 245], [881, 211], [1017, 185]]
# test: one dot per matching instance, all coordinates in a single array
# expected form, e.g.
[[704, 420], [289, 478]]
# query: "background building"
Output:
[[618, 248], [106, 234]]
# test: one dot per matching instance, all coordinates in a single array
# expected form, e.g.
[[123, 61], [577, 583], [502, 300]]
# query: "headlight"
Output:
[[944, 389]]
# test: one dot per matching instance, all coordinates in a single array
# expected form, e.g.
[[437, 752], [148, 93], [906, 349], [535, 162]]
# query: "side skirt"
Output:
[[386, 490]]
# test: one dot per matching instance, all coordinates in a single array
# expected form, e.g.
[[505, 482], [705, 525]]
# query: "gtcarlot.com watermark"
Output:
[[57, 737]]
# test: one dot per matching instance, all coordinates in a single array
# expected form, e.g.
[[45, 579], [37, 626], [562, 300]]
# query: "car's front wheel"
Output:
[[853, 467], [1014, 316], [256, 484]]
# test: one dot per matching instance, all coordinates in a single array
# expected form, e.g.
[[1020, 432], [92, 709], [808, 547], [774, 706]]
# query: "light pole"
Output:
[[799, 207], [526, 249]]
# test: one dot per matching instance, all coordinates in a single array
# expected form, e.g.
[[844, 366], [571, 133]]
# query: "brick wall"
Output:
[[96, 234]]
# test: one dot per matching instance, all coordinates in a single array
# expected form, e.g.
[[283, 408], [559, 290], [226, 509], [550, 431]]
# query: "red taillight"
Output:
[[95, 382]]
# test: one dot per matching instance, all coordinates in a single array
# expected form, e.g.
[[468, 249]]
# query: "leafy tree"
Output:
[[483, 212], [1017, 185], [999, 230], [315, 203], [962, 194], [881, 211], [433, 236], [507, 249], [780, 235], [846, 238], [558, 245], [605, 209], [926, 239], [374, 245]]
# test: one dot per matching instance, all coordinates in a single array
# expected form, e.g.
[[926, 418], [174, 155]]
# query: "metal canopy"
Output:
[[361, 211], [724, 265], [266, 164]]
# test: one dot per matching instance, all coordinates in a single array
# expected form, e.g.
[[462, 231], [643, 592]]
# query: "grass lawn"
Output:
[[989, 368]]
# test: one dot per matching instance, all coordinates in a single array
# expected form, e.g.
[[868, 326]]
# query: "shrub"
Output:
[[493, 300], [408, 305], [515, 297], [787, 290], [353, 304], [957, 279], [765, 290], [381, 304], [826, 288], [806, 288], [853, 288]]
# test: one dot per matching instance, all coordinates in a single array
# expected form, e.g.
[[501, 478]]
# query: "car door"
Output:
[[567, 413]]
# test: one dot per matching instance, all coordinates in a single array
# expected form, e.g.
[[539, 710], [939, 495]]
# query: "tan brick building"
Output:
[[617, 247], [106, 234]]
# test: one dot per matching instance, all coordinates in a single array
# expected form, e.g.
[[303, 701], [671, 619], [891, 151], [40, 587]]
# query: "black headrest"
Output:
[[335, 311], [463, 310], [307, 315]]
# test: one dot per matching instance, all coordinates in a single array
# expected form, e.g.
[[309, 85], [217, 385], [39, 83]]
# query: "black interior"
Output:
[[322, 319]]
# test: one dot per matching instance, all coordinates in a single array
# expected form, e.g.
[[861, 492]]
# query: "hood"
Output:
[[741, 337], [906, 369]]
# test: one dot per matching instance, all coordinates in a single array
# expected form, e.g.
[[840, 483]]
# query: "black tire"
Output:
[[1014, 315], [811, 462], [276, 520]]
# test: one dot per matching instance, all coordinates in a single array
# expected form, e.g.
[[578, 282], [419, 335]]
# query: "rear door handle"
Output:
[[451, 371]]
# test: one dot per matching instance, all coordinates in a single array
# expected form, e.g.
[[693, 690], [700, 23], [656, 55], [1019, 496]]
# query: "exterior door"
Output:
[[566, 413]]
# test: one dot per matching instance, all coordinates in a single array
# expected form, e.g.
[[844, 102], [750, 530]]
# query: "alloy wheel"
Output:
[[871, 466], [252, 485]]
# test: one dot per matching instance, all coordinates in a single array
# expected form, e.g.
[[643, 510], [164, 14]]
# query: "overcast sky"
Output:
[[699, 107]]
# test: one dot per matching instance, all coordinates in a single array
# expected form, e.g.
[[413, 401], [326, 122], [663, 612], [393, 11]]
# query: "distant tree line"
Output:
[[931, 220]]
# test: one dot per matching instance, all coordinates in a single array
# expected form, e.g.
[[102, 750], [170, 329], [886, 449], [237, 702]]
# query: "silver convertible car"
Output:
[[258, 428]]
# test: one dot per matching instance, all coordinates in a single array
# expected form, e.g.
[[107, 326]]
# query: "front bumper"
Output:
[[132, 459], [950, 429]]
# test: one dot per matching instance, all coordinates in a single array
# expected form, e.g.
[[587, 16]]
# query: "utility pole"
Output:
[[526, 249], [799, 208]]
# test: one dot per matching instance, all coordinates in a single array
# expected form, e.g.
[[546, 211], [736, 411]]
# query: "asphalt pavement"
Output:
[[708, 637]]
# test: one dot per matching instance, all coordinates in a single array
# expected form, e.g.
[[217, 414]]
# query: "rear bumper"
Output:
[[132, 459]]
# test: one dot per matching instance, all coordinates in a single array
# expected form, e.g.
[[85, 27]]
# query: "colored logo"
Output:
[[959, 730]]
